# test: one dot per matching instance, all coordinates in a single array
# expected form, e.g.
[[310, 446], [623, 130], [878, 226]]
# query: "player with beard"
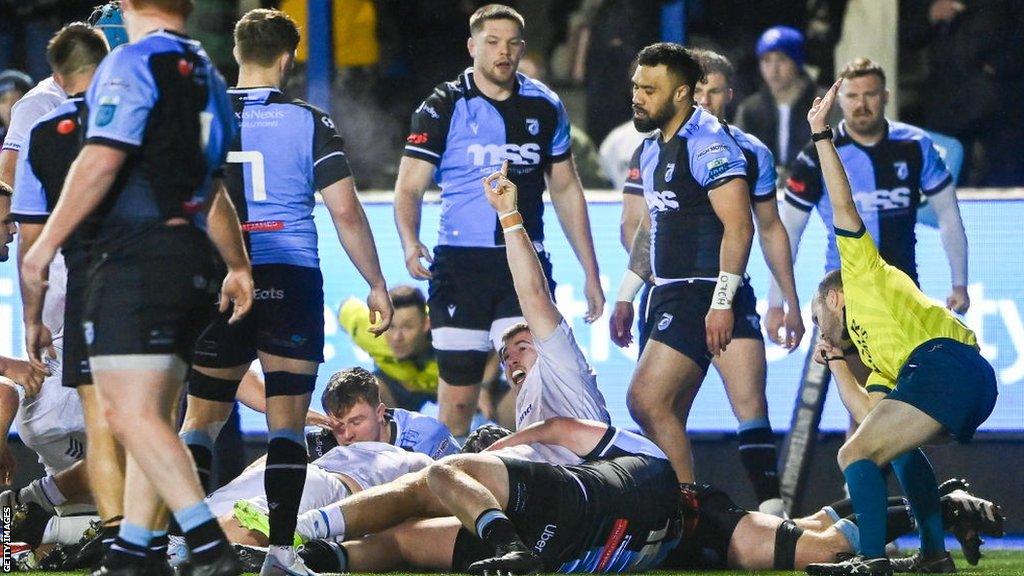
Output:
[[693, 243], [460, 134]]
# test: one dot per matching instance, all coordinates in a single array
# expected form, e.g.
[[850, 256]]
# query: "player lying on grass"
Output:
[[725, 535]]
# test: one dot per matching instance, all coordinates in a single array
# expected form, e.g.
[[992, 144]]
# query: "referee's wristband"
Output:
[[631, 284], [725, 290]]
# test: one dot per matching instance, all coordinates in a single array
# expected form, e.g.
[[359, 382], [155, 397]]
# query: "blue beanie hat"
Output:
[[783, 39], [107, 19]]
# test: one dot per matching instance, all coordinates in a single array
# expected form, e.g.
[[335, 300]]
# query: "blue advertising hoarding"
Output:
[[996, 289]]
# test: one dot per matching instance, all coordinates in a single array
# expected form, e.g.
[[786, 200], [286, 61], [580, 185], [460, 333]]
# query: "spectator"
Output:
[[776, 113], [976, 70], [13, 85], [617, 150]]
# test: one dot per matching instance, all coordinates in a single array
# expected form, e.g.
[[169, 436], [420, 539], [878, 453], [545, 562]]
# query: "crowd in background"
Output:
[[955, 67]]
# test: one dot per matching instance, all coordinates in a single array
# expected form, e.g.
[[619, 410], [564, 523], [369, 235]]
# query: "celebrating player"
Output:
[[920, 356], [461, 133]]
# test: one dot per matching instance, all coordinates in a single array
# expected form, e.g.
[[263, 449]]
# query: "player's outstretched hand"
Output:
[[620, 325], [414, 253], [817, 116], [718, 329], [237, 289], [381, 310], [501, 192]]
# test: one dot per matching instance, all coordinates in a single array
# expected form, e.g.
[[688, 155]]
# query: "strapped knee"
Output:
[[211, 388], [786, 537], [289, 384]]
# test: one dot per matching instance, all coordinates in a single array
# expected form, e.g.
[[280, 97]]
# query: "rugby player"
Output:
[[461, 133], [487, 492], [694, 241], [920, 356], [158, 131], [742, 366], [48, 149], [286, 151]]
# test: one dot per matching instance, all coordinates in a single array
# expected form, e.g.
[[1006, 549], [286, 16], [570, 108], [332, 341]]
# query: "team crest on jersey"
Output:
[[902, 171], [670, 168], [89, 332], [533, 126], [105, 113], [666, 319]]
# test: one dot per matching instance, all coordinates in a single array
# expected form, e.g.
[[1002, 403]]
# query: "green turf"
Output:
[[995, 563]]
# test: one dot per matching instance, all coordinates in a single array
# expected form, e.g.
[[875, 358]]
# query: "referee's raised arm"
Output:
[[844, 210], [531, 285]]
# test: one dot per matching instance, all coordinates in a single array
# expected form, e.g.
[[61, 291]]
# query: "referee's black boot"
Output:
[[516, 560], [856, 566], [941, 564]]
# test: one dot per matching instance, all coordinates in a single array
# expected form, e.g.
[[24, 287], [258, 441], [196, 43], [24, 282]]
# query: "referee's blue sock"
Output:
[[917, 478], [867, 490]]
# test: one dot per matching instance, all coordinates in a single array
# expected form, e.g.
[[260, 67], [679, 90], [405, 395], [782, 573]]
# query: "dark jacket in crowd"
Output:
[[758, 115]]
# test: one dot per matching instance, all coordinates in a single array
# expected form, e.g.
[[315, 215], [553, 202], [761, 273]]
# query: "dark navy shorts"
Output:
[[949, 381]]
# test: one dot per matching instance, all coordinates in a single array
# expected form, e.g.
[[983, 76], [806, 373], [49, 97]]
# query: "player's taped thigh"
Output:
[[289, 384], [211, 388], [786, 537], [461, 367]]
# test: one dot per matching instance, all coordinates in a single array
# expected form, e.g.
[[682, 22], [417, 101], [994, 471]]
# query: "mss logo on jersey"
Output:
[[490, 154], [882, 200], [662, 200]]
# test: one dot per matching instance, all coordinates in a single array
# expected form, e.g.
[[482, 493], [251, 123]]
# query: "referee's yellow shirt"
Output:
[[887, 315], [415, 375]]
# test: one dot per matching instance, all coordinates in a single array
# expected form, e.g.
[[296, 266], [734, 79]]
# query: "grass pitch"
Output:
[[994, 563]]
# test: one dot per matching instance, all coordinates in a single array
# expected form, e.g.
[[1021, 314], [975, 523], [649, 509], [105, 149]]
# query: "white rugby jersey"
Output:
[[372, 463], [42, 98]]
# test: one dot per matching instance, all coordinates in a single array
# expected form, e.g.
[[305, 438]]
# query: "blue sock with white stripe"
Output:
[[494, 528], [283, 480], [760, 457], [130, 548], [203, 535]]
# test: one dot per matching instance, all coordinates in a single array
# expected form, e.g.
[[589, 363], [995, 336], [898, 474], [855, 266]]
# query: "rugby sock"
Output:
[[324, 556], [494, 528], [898, 522], [844, 507], [158, 545], [202, 533], [917, 478], [108, 532], [131, 547], [43, 491], [283, 481], [200, 444], [760, 457], [326, 522], [867, 490]]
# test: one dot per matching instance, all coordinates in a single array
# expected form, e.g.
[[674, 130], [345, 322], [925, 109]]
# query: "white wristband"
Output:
[[631, 284], [725, 289]]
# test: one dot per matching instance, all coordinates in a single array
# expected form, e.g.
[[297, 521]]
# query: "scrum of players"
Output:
[[166, 241]]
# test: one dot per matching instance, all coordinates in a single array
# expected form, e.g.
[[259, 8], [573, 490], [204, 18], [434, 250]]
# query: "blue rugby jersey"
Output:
[[285, 151], [51, 146], [163, 102], [421, 433], [468, 135], [761, 173], [887, 181], [675, 178]]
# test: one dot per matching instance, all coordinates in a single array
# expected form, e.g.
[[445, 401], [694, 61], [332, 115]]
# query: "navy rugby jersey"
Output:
[[468, 135], [675, 178], [285, 151], [163, 102], [887, 181], [51, 146]]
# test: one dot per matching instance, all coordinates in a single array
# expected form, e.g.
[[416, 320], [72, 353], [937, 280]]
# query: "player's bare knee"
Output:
[[440, 476]]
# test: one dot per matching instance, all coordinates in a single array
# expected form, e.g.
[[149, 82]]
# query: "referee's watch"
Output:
[[825, 134]]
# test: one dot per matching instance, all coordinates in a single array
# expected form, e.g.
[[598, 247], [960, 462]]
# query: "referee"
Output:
[[927, 377]]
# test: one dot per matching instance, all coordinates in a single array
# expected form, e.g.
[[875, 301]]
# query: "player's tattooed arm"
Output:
[[640, 251]]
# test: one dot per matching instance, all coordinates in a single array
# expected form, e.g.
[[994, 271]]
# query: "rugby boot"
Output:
[[918, 564], [516, 562], [855, 566], [968, 517]]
